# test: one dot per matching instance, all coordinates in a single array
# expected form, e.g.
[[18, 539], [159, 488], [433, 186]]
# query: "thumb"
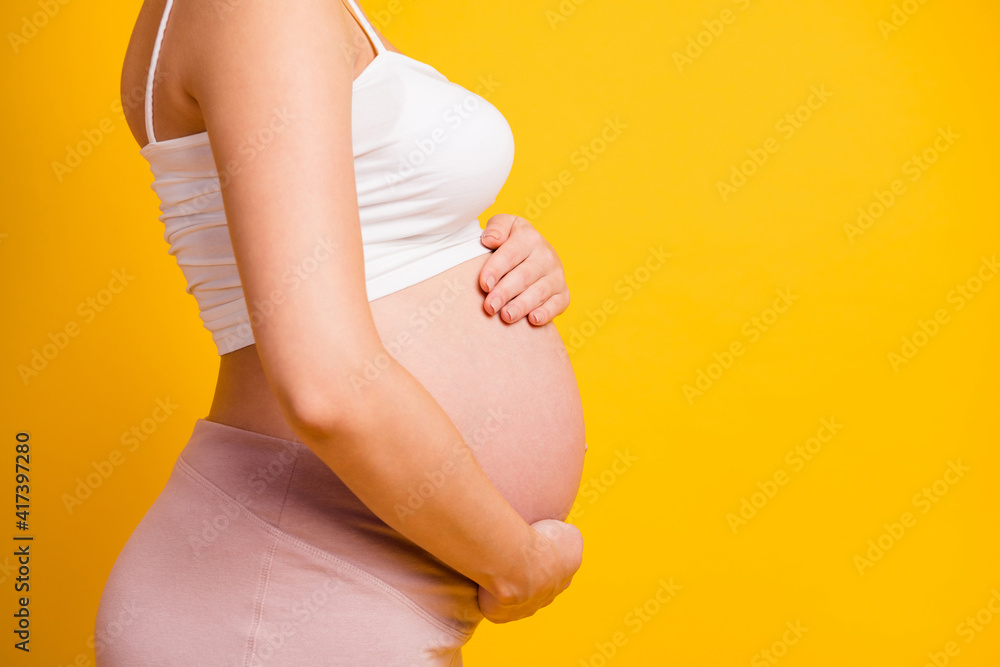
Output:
[[497, 230]]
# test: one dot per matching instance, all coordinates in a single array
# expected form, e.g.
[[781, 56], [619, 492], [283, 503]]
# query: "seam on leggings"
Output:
[[258, 612], [288, 486], [302, 545]]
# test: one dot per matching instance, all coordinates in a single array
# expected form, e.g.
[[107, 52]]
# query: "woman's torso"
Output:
[[509, 388]]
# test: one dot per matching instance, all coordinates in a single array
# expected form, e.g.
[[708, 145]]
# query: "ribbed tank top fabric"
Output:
[[429, 157]]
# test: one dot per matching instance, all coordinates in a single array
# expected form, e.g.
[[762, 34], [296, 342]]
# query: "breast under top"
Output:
[[429, 157]]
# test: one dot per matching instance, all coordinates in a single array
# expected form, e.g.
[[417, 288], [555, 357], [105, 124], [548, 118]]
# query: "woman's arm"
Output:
[[274, 84]]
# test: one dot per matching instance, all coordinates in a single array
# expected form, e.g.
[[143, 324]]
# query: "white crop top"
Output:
[[429, 157]]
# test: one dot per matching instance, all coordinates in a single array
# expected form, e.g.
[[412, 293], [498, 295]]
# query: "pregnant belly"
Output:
[[509, 388]]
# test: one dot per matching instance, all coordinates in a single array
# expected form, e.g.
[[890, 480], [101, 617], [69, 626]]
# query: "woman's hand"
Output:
[[555, 558], [524, 275]]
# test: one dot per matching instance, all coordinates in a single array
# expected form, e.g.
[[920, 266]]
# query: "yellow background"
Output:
[[656, 184]]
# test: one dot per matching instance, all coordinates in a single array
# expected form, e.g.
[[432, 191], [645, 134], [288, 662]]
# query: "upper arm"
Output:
[[274, 85]]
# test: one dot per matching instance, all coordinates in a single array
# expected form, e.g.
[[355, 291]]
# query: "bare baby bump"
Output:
[[509, 388]]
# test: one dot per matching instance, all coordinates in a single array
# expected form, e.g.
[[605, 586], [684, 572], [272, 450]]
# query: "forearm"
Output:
[[400, 453]]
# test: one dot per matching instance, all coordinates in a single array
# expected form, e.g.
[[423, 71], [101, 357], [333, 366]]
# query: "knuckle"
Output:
[[548, 253], [509, 597], [546, 288], [515, 285]]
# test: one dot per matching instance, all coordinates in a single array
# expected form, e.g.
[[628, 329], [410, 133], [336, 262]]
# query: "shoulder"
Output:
[[243, 35]]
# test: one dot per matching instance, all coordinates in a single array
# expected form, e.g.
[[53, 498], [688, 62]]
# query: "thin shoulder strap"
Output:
[[152, 71], [367, 27]]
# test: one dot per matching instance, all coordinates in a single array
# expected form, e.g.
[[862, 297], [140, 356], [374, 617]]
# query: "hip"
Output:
[[255, 553]]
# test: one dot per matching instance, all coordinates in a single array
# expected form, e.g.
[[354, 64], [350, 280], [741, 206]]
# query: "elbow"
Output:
[[324, 397], [319, 414], [335, 405]]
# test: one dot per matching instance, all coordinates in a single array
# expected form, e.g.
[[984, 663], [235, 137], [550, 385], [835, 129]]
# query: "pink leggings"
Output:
[[255, 553]]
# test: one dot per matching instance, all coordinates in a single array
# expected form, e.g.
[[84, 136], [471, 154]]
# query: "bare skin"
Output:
[[508, 388]]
